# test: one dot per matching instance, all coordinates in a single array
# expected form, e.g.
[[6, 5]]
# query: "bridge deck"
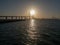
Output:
[[13, 18]]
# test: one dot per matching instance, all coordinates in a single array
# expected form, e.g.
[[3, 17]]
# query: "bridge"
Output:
[[13, 18]]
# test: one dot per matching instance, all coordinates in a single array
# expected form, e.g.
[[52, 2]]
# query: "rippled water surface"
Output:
[[30, 32]]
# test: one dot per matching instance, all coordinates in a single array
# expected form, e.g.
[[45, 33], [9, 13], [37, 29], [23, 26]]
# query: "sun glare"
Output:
[[32, 12]]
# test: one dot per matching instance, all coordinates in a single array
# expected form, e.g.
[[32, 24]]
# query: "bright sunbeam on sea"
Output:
[[32, 34]]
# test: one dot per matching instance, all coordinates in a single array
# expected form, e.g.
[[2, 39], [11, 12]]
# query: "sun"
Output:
[[32, 12]]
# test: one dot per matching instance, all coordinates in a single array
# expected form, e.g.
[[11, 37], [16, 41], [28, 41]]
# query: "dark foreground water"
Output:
[[32, 32]]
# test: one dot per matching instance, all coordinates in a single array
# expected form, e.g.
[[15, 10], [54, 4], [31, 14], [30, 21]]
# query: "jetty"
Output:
[[13, 18]]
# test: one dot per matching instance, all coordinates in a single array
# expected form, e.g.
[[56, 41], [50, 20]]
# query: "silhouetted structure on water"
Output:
[[13, 18]]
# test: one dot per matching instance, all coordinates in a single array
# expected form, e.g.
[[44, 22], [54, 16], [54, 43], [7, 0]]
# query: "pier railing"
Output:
[[14, 17]]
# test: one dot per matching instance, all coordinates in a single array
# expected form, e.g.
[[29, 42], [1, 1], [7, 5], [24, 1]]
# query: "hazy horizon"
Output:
[[43, 8]]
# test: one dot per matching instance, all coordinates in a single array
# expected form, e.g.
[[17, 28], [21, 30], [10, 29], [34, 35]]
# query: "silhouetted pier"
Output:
[[13, 18]]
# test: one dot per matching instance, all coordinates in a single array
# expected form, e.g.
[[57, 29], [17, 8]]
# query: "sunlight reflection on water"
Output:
[[32, 22], [32, 34]]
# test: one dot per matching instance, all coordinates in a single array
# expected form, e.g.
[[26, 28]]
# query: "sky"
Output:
[[43, 8]]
